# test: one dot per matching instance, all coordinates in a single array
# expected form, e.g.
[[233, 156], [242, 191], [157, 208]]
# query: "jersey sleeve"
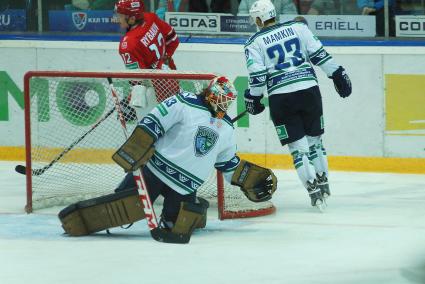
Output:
[[227, 161], [170, 36], [256, 68], [163, 117], [317, 54]]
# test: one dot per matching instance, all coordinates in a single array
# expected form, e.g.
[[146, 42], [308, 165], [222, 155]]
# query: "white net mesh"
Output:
[[74, 131]]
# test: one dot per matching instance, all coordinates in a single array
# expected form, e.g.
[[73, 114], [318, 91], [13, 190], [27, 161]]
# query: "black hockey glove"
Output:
[[128, 112], [252, 103], [342, 82]]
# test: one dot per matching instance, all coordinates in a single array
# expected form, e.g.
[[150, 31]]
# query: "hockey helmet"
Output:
[[220, 94], [263, 9], [130, 8]]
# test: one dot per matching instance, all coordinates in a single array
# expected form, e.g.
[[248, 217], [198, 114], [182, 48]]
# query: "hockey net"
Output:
[[71, 132]]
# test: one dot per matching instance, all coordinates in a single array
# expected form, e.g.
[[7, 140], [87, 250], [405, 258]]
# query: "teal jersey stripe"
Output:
[[258, 84], [190, 104], [173, 180], [132, 66], [162, 110], [324, 60], [231, 169], [291, 82], [280, 72], [316, 52], [262, 72], [177, 168], [154, 118]]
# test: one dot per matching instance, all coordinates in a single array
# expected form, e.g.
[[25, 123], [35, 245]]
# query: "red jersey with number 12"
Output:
[[145, 45]]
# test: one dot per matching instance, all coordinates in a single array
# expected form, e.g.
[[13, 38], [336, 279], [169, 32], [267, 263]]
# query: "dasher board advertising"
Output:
[[320, 25], [410, 26], [338, 25]]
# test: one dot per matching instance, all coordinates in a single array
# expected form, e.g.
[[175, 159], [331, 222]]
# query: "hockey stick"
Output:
[[156, 233], [36, 172], [239, 116]]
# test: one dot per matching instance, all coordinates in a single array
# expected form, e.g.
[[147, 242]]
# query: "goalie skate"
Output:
[[316, 197], [322, 183]]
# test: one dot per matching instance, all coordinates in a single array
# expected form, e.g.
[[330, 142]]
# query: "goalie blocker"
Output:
[[257, 183], [136, 151]]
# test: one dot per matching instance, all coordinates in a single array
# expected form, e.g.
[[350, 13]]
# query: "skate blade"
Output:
[[322, 206]]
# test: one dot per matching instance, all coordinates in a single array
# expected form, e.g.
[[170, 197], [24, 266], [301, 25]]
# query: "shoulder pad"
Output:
[[191, 99]]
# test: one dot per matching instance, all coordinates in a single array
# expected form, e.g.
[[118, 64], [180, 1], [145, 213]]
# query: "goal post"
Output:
[[71, 132]]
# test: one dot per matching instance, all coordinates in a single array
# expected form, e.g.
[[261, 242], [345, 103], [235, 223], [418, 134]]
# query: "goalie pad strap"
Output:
[[136, 151], [191, 216], [97, 214]]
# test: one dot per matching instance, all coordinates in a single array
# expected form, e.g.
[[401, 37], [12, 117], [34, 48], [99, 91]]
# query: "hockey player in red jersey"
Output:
[[149, 43]]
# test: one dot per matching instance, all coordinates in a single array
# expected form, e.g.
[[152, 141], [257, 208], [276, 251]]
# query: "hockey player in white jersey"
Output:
[[180, 142], [279, 60]]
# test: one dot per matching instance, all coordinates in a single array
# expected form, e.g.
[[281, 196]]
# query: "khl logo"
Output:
[[79, 19]]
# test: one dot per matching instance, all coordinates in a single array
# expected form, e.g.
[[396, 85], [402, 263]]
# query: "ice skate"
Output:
[[322, 183], [317, 199]]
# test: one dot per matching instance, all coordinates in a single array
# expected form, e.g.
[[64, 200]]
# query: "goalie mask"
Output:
[[130, 8], [220, 94]]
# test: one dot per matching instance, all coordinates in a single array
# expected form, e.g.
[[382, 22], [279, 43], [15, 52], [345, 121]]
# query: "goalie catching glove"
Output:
[[136, 151], [257, 183]]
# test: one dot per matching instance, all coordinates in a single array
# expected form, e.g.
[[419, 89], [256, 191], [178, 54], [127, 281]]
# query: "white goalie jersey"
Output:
[[183, 120], [279, 58]]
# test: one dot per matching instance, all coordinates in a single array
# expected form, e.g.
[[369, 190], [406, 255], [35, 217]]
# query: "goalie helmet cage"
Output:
[[71, 132]]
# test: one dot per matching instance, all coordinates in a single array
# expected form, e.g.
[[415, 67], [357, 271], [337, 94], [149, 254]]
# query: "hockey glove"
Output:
[[253, 103], [257, 183], [342, 82], [263, 191], [128, 112]]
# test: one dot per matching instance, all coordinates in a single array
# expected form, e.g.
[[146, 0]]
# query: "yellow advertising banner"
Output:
[[405, 105]]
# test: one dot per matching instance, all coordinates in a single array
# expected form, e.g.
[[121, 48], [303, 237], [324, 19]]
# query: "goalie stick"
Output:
[[36, 172], [239, 116], [156, 233]]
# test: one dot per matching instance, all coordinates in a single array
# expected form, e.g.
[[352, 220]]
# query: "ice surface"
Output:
[[373, 231]]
